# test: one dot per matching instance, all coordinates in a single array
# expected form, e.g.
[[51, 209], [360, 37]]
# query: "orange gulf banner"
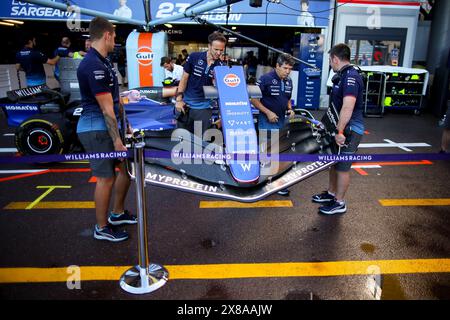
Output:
[[145, 59], [144, 53]]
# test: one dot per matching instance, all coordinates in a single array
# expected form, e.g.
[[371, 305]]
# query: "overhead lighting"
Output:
[[168, 25], [6, 24], [233, 28], [15, 21]]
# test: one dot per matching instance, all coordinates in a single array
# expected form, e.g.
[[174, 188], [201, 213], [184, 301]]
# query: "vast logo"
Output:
[[231, 80], [144, 56]]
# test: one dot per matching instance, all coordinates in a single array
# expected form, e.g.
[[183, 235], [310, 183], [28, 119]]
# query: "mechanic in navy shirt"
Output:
[[63, 51], [347, 99], [98, 130], [198, 72], [31, 62], [276, 88]]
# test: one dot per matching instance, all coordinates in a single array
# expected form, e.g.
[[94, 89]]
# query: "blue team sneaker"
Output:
[[333, 207], [322, 197], [124, 218], [110, 234]]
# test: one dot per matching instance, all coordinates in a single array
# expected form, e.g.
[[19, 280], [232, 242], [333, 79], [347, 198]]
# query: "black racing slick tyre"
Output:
[[42, 135]]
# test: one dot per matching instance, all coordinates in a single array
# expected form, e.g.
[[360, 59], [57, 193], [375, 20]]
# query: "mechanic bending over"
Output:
[[347, 98], [31, 62], [276, 88], [198, 72], [99, 132]]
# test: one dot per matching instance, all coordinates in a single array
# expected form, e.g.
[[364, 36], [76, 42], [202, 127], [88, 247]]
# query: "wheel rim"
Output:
[[40, 141]]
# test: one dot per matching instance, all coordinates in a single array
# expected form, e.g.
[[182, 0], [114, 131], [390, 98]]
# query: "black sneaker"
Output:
[[109, 233], [124, 218], [284, 193], [322, 197], [333, 208]]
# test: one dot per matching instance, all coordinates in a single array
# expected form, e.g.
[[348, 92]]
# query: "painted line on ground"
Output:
[[52, 205], [21, 171], [44, 171], [8, 150], [235, 204], [414, 202], [235, 271]]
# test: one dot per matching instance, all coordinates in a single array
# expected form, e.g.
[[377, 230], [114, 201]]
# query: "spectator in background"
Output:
[[250, 64], [306, 19], [63, 51], [31, 62], [184, 56], [123, 11]]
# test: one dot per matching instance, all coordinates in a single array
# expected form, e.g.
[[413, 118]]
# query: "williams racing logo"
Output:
[[231, 80], [144, 56]]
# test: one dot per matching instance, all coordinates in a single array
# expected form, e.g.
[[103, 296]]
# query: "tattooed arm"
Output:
[[107, 105]]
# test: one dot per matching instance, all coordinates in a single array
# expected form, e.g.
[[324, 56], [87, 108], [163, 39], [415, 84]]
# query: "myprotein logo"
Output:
[[231, 80], [144, 56]]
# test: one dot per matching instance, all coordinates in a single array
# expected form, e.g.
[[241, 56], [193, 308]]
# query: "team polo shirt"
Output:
[[200, 74], [96, 76], [32, 61], [62, 52], [351, 84], [276, 93]]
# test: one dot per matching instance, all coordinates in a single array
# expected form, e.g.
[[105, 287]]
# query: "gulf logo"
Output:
[[144, 56], [231, 80]]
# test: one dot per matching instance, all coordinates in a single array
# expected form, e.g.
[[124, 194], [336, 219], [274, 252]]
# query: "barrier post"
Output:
[[145, 277]]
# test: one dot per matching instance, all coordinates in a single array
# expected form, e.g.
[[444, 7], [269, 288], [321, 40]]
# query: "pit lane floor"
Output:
[[281, 249]]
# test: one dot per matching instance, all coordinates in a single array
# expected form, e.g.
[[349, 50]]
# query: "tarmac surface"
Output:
[[281, 250]]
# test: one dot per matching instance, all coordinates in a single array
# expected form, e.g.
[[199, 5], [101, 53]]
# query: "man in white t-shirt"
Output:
[[123, 11], [306, 19], [172, 70]]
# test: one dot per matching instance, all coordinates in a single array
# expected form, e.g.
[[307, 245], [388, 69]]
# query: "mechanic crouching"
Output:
[[98, 131]]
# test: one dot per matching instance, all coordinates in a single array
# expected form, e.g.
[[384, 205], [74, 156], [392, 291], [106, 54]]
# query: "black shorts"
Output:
[[187, 120], [99, 141], [352, 140]]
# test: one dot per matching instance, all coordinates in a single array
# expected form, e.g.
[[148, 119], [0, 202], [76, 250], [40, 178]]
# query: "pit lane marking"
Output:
[[414, 202], [235, 204], [52, 205], [236, 270], [8, 150], [21, 171], [46, 193], [392, 144]]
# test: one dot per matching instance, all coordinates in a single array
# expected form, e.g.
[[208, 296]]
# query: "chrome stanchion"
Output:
[[145, 277]]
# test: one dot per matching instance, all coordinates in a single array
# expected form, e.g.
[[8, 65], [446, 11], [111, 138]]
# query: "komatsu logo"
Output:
[[144, 56], [231, 80]]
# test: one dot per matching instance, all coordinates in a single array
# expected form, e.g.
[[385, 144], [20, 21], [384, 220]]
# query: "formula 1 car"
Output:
[[46, 124], [45, 119]]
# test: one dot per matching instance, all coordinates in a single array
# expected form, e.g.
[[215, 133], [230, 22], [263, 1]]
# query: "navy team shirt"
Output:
[[32, 61], [351, 84], [96, 76], [276, 94], [200, 74]]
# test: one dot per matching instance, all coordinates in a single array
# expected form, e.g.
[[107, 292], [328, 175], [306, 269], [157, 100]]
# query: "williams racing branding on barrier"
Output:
[[97, 156], [231, 80], [247, 156], [144, 56]]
